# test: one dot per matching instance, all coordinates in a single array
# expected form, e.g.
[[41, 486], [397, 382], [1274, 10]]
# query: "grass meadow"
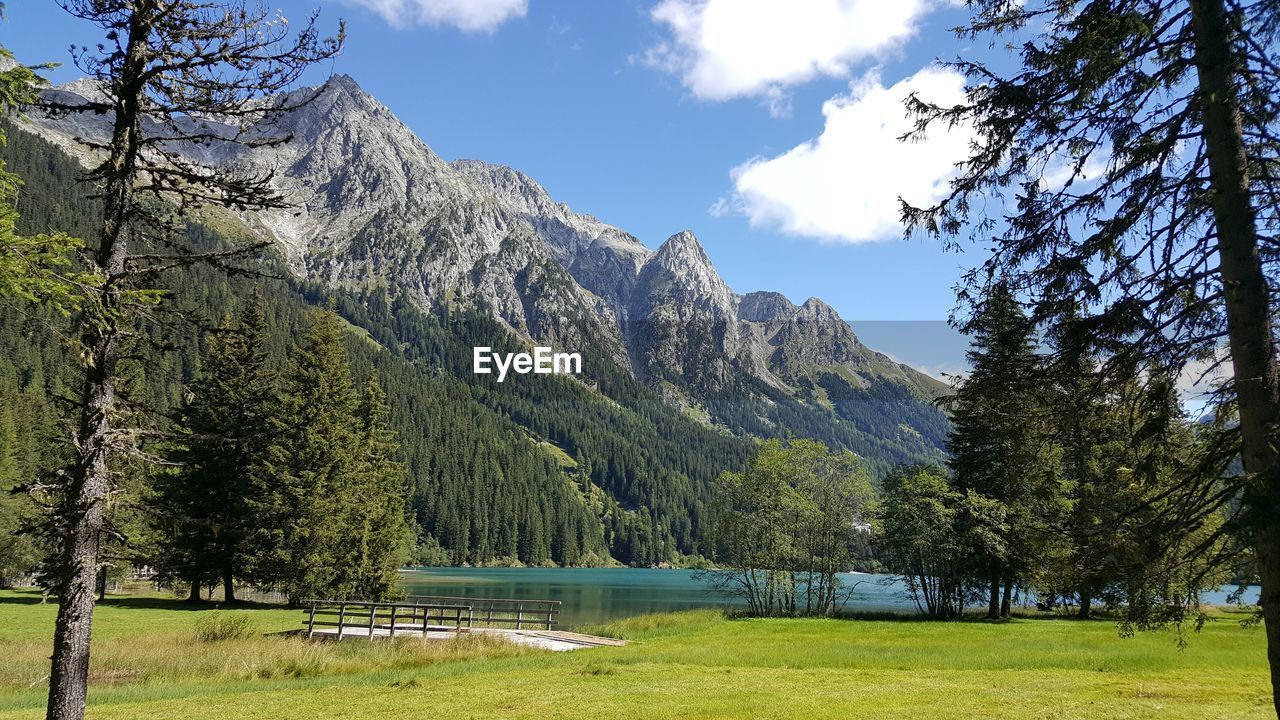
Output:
[[156, 657]]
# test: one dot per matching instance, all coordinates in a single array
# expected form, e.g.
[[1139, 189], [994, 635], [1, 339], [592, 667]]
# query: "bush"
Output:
[[216, 627]]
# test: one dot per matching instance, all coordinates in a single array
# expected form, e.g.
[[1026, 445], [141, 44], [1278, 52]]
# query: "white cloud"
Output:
[[466, 15], [725, 49], [1058, 172], [844, 186]]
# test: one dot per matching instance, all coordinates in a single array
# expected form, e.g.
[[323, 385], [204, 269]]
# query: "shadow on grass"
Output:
[[26, 596]]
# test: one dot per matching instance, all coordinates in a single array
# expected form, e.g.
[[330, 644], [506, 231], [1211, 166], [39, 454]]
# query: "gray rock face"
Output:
[[764, 306], [376, 207], [600, 257], [682, 324]]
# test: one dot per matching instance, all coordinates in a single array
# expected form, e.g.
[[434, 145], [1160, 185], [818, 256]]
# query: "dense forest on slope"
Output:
[[547, 471], [557, 469]]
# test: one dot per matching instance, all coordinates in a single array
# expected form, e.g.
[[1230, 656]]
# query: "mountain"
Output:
[[462, 253]]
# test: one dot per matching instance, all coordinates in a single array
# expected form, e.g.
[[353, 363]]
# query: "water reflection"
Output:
[[596, 595]]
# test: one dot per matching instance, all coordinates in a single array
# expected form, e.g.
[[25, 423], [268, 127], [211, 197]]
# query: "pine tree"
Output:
[[206, 508], [301, 541], [18, 555], [376, 500], [1168, 247], [998, 444]]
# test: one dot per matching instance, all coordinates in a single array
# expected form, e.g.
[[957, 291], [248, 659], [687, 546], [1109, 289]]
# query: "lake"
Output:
[[595, 595]]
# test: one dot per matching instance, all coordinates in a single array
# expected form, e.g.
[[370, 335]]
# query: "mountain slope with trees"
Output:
[[373, 207]]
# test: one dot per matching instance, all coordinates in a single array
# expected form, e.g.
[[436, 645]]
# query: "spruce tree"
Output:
[[1088, 432], [998, 443], [301, 544], [1163, 115], [376, 500], [206, 507]]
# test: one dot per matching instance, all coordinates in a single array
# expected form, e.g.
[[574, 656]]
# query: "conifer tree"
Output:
[[1089, 433], [1163, 116], [998, 444], [206, 507], [301, 543], [161, 64], [377, 502]]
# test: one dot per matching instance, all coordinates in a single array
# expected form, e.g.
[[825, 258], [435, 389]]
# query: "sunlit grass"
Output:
[[158, 640], [695, 664]]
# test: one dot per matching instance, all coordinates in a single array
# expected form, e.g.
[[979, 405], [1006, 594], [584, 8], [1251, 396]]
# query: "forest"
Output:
[[171, 400], [509, 472]]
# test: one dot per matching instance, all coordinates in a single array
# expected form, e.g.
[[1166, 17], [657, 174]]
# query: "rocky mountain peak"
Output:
[[601, 258], [815, 310], [682, 247], [345, 83], [373, 205], [518, 192], [681, 271], [765, 307]]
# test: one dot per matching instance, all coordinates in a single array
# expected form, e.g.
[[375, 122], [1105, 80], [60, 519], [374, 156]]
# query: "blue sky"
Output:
[[768, 134]]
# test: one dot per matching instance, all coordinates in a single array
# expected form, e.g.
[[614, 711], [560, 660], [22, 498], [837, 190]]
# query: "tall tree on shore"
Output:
[[1094, 433], [162, 63], [300, 542], [205, 507], [378, 505], [1163, 115], [329, 494], [998, 443]]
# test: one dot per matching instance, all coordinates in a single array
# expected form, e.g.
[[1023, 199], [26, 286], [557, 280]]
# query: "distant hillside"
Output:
[[427, 259]]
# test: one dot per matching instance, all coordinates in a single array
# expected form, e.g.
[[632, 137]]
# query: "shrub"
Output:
[[216, 627]]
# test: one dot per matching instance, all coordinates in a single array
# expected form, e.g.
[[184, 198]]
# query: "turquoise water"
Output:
[[595, 595]]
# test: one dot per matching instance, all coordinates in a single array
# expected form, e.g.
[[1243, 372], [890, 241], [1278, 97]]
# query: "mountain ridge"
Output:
[[377, 207]]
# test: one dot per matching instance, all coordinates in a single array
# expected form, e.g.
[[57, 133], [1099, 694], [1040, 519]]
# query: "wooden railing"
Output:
[[496, 612], [368, 619]]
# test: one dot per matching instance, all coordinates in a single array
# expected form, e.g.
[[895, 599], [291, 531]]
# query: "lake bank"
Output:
[[592, 596]]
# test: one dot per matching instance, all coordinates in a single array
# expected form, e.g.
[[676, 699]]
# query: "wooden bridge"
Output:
[[524, 622], [495, 612]]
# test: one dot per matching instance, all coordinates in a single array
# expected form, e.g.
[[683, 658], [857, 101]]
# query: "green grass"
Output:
[[689, 665]]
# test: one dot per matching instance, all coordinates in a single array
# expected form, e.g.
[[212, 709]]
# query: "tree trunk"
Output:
[[69, 675], [1006, 601], [1248, 308], [89, 483], [993, 605], [194, 596], [102, 583], [1086, 605], [228, 585]]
